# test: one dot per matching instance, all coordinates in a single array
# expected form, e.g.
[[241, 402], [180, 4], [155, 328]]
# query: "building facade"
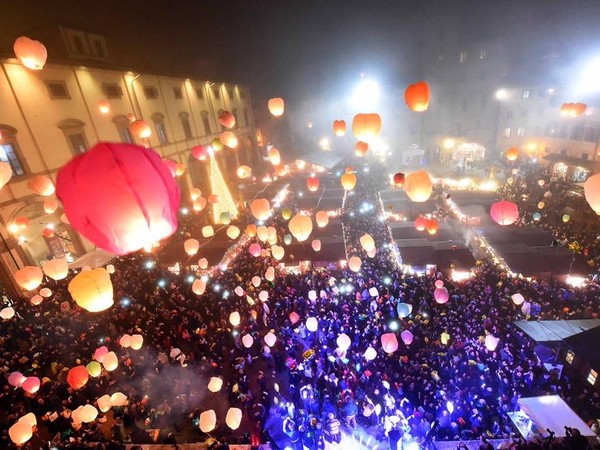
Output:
[[47, 117]]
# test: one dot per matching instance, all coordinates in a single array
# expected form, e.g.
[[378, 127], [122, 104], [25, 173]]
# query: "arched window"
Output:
[[9, 150], [122, 123], [185, 124], [234, 111], [161, 129], [75, 135], [219, 113], [206, 122]]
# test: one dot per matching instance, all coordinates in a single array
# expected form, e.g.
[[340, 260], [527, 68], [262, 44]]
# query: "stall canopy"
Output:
[[555, 330], [550, 412], [328, 160], [584, 344]]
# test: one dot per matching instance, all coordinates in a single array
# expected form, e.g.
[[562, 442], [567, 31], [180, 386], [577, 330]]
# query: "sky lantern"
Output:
[[215, 384], [591, 190], [229, 139], [104, 107], [77, 377], [48, 232], [491, 342], [247, 341], [366, 126], [407, 337], [348, 181], [572, 109], [233, 418], [118, 399], [270, 274], [312, 295], [234, 318], [263, 296], [208, 231], [367, 242], [16, 379], [418, 186], [312, 324], [312, 183], [439, 284], [21, 223], [277, 252], [199, 204], [233, 232], [94, 369], [216, 144], [207, 421], [41, 185], [371, 253], [255, 281], [140, 129], [191, 246], [200, 153], [137, 340], [300, 226], [7, 313], [32, 54], [354, 263], [110, 361], [227, 119], [57, 268], [31, 385], [274, 156], [251, 230], [441, 295], [316, 245], [92, 290], [244, 172], [360, 149], [110, 268], [119, 196], [88, 414], [370, 353], [276, 106], [50, 205], [322, 218], [262, 233], [432, 226], [389, 342], [286, 213], [260, 208], [100, 353], [287, 239], [125, 341], [270, 339], [36, 300], [239, 291], [517, 299], [373, 292], [404, 309], [512, 153], [339, 127], [104, 403], [399, 179], [203, 263], [29, 419], [179, 169], [417, 95], [294, 317], [343, 342], [20, 432], [195, 194], [5, 173], [504, 213], [421, 223], [198, 287], [29, 277]]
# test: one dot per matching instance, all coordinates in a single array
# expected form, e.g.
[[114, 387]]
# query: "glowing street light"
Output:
[[501, 94], [448, 143], [324, 143], [366, 94]]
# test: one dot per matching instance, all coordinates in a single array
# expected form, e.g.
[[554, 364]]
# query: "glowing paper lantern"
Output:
[[48, 232], [31, 385], [416, 96], [399, 179], [366, 126], [322, 218], [104, 403], [316, 245], [389, 342], [233, 232], [199, 204], [260, 208], [7, 313], [110, 361], [36, 300], [270, 274], [41, 185], [312, 324], [21, 223], [229, 139], [404, 310], [140, 129], [88, 414], [274, 156], [512, 153], [5, 173], [119, 196], [16, 379], [343, 342], [277, 252], [300, 226], [32, 54], [244, 172], [572, 109], [227, 119], [20, 432], [491, 342], [354, 263], [270, 339], [200, 153], [373, 292], [233, 418], [517, 299], [286, 213], [566, 218], [439, 284], [432, 226], [294, 317], [94, 369], [370, 353], [216, 145], [255, 249], [441, 295], [339, 127], [179, 169], [198, 287], [263, 296], [195, 194], [247, 341], [118, 399], [137, 340], [50, 206], [215, 384], [29, 277], [592, 192], [312, 295], [29, 419], [407, 337], [418, 186], [312, 183], [191, 246], [100, 353], [125, 341], [287, 239], [262, 233], [536, 216], [504, 213], [348, 181], [207, 421], [110, 269], [234, 318], [360, 149], [208, 231], [367, 242], [276, 106], [77, 377], [104, 107], [92, 290]]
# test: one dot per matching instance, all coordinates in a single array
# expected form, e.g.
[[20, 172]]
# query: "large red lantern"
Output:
[[140, 129], [416, 96], [504, 213], [200, 153], [366, 126], [421, 223], [512, 153], [32, 54], [339, 127], [77, 377], [418, 186], [360, 149], [313, 184], [227, 119], [432, 226], [120, 196], [399, 179], [572, 109]]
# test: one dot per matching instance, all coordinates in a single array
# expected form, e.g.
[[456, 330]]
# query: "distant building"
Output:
[[49, 116]]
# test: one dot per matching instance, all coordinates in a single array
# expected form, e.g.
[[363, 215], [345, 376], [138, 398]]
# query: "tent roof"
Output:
[[556, 330], [585, 345], [328, 160], [551, 412]]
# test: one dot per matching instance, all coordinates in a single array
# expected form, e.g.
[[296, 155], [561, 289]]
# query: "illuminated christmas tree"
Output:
[[219, 188]]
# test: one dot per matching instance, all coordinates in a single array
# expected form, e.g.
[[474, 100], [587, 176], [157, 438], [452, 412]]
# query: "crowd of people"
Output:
[[304, 390]]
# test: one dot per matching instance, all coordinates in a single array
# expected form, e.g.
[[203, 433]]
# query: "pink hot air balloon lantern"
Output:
[[441, 295], [120, 196], [389, 342], [504, 213]]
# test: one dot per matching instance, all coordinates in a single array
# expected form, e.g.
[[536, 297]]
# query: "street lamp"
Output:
[[501, 94]]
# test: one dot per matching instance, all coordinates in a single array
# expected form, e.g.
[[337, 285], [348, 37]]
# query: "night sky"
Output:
[[295, 48]]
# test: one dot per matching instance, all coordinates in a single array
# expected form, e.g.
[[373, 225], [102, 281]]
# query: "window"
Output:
[[506, 133], [78, 44], [112, 91], [231, 93], [592, 377], [526, 94], [462, 57], [483, 53], [150, 92], [185, 124], [509, 114], [177, 93], [570, 357], [58, 90], [206, 122], [122, 123], [246, 118], [216, 92], [200, 92], [161, 130], [242, 94], [521, 132], [234, 111], [75, 135], [98, 48]]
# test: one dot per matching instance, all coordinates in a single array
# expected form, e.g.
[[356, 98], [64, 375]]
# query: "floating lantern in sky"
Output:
[[370, 354], [50, 205], [20, 432], [348, 181], [208, 231], [274, 156], [504, 213], [312, 183], [343, 342], [229, 139], [207, 421], [233, 418], [418, 186], [244, 172], [7, 313], [118, 399], [215, 384], [354, 263], [227, 119], [366, 126], [29, 277], [31, 53], [399, 179], [389, 342], [277, 252], [110, 361], [339, 127], [203, 263], [301, 227], [512, 153], [77, 377], [322, 218], [191, 246], [92, 290], [312, 324], [247, 340], [41, 185], [94, 369], [104, 107], [367, 242], [200, 153], [233, 232], [592, 192], [270, 339], [234, 318], [417, 95], [198, 287], [316, 245], [441, 295], [276, 106], [260, 208], [360, 149], [31, 385], [140, 129], [104, 403], [432, 226], [517, 299], [420, 223], [294, 317], [407, 337], [491, 342]]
